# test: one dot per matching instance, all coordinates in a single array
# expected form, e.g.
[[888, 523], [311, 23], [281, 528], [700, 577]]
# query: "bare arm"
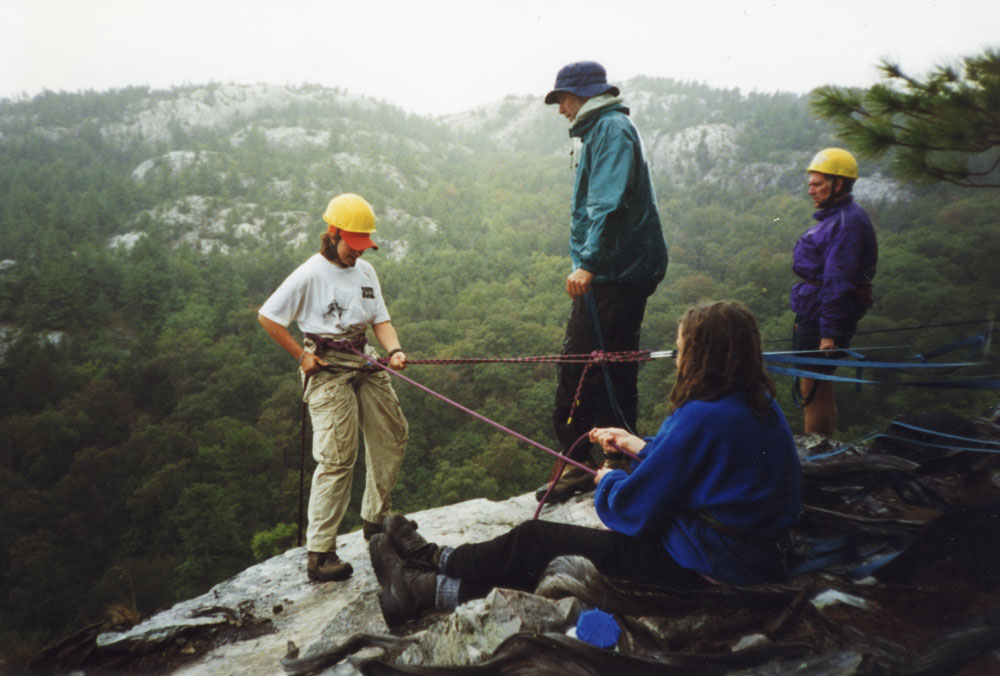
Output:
[[282, 336], [387, 338]]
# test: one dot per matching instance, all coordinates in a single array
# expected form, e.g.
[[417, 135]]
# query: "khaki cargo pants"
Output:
[[339, 403]]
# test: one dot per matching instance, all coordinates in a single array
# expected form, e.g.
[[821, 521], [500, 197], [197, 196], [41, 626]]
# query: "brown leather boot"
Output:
[[409, 544], [572, 480], [407, 591], [327, 567]]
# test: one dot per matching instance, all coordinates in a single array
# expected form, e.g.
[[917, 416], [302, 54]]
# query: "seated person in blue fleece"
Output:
[[713, 492]]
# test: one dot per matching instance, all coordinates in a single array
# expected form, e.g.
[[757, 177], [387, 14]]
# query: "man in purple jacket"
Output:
[[836, 260]]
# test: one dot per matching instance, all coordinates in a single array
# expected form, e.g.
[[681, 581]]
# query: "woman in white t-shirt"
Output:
[[334, 297]]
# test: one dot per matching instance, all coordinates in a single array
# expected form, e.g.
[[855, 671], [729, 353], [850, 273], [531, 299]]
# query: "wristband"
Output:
[[392, 352], [302, 356]]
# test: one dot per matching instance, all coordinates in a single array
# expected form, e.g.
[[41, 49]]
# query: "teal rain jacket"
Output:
[[615, 232]]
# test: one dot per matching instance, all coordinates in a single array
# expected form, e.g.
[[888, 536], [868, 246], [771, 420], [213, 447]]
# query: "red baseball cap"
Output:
[[359, 241]]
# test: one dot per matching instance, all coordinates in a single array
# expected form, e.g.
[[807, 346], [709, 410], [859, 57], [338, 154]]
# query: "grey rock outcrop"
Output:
[[243, 625]]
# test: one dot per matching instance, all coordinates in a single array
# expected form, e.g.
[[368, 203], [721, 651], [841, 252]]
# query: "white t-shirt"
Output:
[[324, 298]]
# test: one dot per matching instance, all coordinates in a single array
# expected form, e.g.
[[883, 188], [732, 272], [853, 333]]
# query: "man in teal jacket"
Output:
[[618, 257]]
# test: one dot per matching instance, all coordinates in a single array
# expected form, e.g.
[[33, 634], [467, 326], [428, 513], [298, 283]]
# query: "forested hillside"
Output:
[[149, 429]]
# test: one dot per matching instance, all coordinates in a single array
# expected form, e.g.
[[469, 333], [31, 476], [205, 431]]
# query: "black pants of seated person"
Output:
[[517, 559]]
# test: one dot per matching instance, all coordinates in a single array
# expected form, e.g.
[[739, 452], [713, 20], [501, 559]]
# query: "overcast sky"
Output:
[[446, 56]]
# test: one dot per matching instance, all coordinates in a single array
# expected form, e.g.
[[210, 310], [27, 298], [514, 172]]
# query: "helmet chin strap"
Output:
[[836, 194]]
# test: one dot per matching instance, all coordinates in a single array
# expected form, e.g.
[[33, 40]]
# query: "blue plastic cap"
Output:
[[597, 628]]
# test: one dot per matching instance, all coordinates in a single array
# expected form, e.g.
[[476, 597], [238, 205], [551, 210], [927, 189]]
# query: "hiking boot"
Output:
[[327, 567], [616, 461], [572, 481], [369, 528], [409, 544], [407, 591]]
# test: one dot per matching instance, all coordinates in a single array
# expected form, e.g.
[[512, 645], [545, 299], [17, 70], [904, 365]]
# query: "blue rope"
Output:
[[950, 447], [981, 339], [838, 451], [972, 383], [859, 363], [911, 440], [942, 434]]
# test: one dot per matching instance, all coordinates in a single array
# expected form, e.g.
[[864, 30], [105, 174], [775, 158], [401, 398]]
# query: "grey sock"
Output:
[[446, 592], [443, 555]]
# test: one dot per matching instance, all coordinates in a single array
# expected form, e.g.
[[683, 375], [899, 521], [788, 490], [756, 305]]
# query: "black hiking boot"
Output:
[[327, 567], [369, 528], [407, 591], [409, 544]]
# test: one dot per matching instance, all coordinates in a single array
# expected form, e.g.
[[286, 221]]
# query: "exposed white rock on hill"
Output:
[[878, 188], [214, 107], [296, 137], [173, 162], [362, 165], [694, 150], [201, 223]]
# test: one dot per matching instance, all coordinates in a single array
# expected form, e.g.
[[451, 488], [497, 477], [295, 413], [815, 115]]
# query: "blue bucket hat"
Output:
[[583, 78]]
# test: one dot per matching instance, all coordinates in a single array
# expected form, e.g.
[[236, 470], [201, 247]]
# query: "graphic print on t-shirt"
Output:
[[334, 308]]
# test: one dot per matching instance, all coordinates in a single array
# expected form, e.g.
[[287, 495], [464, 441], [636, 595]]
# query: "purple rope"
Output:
[[563, 457], [475, 415], [598, 356], [562, 464]]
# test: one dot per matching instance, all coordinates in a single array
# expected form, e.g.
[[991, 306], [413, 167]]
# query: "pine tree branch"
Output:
[[951, 111]]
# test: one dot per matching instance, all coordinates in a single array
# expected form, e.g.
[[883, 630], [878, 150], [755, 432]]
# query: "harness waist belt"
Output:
[[345, 345], [863, 292]]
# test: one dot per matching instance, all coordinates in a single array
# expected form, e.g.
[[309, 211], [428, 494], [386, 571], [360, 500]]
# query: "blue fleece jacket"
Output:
[[715, 456]]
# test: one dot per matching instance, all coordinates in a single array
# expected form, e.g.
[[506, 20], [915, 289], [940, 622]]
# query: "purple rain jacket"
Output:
[[836, 258]]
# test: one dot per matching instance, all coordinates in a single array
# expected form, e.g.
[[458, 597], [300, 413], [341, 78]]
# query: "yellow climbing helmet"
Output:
[[836, 162], [354, 218], [351, 213]]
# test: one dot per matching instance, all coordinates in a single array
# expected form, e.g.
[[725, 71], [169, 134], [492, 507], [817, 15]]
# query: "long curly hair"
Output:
[[328, 247], [721, 356]]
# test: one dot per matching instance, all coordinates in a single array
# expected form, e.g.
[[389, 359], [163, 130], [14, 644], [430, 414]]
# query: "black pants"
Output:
[[517, 559], [806, 336], [620, 309]]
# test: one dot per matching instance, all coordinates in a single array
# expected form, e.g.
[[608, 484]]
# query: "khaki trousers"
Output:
[[339, 403]]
